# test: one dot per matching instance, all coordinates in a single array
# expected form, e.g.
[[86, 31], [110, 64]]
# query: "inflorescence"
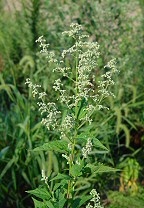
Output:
[[85, 55], [95, 199]]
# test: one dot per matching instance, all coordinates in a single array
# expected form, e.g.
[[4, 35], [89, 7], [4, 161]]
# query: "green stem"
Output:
[[69, 195], [76, 66]]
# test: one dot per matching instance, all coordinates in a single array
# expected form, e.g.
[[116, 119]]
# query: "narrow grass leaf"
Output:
[[7, 167]]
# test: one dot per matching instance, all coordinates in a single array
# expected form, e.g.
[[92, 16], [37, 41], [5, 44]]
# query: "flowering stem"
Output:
[[76, 67]]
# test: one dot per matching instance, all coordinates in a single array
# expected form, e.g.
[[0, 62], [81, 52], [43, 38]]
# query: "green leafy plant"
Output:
[[129, 176], [122, 200], [118, 27], [71, 120]]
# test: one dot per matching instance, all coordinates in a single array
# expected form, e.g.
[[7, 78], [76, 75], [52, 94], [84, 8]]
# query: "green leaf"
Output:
[[136, 104], [57, 146], [82, 109], [100, 168], [99, 152], [26, 177], [76, 170], [95, 141], [40, 192], [56, 186], [98, 144], [4, 151], [127, 133], [61, 177], [8, 166], [62, 200], [62, 183], [8, 90], [49, 204], [24, 126], [80, 201], [39, 204], [27, 63], [14, 179]]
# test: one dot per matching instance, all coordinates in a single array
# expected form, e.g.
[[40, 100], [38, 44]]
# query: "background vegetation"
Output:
[[118, 27]]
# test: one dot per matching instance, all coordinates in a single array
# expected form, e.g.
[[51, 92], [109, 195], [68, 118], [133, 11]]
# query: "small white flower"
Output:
[[67, 158], [44, 177], [87, 149], [70, 146], [95, 199]]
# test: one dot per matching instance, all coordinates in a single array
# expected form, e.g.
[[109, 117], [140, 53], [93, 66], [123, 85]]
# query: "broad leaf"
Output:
[[57, 146], [80, 201], [40, 192], [98, 144], [100, 168], [76, 170], [62, 183], [49, 204], [61, 177], [39, 204], [62, 201]]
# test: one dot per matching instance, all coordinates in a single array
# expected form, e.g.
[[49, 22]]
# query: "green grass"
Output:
[[119, 200]]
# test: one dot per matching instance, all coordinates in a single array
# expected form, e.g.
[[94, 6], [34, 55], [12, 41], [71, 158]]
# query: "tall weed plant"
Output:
[[117, 26], [71, 121]]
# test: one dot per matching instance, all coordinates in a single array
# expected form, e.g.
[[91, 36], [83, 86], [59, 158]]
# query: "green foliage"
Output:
[[85, 58], [41, 193], [100, 168], [120, 200], [116, 134], [58, 146], [129, 176]]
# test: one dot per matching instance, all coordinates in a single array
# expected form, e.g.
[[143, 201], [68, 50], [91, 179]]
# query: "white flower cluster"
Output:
[[84, 55], [68, 158], [64, 70], [57, 84], [51, 119], [87, 149], [67, 125], [87, 62], [104, 84], [112, 65], [49, 110], [50, 55], [34, 87], [44, 177], [74, 32], [68, 122], [63, 98], [95, 199], [42, 44]]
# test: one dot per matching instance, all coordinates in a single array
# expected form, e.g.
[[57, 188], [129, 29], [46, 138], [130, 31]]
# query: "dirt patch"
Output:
[[12, 6]]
